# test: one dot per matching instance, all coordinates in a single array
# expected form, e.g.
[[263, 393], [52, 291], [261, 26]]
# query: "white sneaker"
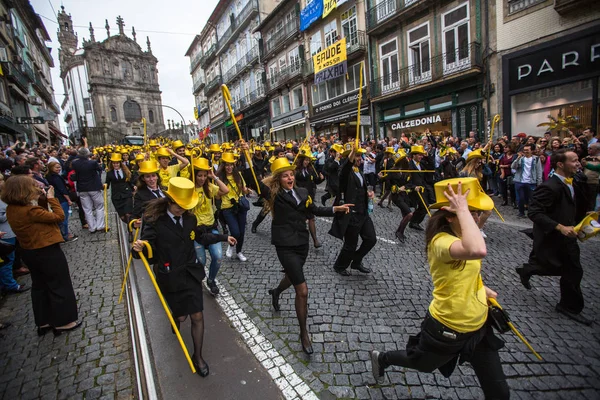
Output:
[[241, 257], [229, 252], [483, 233]]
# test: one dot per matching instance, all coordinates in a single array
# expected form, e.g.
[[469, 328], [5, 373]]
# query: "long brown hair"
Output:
[[473, 169], [124, 168], [272, 182], [51, 165], [237, 177], [205, 187], [439, 223], [157, 207], [20, 190]]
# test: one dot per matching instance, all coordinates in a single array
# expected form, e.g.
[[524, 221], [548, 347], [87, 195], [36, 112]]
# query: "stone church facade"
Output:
[[119, 85]]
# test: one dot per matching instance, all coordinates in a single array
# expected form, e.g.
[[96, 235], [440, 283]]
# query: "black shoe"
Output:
[[574, 316], [275, 298], [58, 332], [323, 201], [400, 237], [342, 272], [253, 230], [416, 227], [361, 268], [212, 287], [317, 245], [204, 371], [20, 289], [377, 369], [524, 278], [307, 349], [41, 331]]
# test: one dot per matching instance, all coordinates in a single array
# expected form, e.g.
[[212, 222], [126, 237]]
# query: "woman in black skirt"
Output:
[[118, 179], [170, 228], [291, 206]]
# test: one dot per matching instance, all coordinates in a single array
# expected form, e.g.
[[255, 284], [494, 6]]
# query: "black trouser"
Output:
[[52, 296], [420, 210], [434, 350], [359, 225], [400, 201]]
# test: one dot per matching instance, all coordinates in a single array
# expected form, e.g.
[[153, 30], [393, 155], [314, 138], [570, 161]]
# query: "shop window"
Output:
[[298, 98], [391, 114], [331, 35], [455, 39], [440, 102], [113, 114], [285, 100], [419, 54], [548, 92], [389, 65], [275, 107], [349, 26], [415, 108]]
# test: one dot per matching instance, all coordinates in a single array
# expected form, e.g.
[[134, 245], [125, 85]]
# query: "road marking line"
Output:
[[384, 240], [282, 373]]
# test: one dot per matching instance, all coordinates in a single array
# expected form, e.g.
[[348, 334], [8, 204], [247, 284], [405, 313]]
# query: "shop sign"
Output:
[[310, 13], [413, 123], [339, 103], [286, 119], [571, 59], [331, 62], [328, 6], [229, 122]]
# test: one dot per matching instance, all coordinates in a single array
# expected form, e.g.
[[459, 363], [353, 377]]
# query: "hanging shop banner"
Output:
[[331, 62], [328, 6], [310, 14]]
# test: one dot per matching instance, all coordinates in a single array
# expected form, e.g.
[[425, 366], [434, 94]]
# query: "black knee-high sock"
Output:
[[198, 337]]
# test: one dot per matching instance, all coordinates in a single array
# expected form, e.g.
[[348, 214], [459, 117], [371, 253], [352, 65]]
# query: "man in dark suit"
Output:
[[332, 165], [353, 188], [555, 250], [422, 182], [89, 187]]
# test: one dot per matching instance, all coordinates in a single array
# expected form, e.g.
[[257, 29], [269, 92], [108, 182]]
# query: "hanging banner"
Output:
[[310, 14], [331, 62], [328, 6]]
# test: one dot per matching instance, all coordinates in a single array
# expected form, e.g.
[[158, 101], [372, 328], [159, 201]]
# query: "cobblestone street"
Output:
[[91, 362], [349, 316]]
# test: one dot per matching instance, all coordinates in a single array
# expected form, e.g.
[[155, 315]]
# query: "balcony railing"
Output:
[[279, 37], [245, 61], [195, 61], [28, 72], [519, 5], [386, 10], [236, 22], [212, 85], [13, 72], [198, 85], [208, 55], [251, 99], [278, 79], [41, 89], [438, 67], [231, 73]]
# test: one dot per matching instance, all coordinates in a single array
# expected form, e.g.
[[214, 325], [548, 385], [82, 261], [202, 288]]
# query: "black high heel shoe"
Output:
[[275, 298], [203, 372], [307, 349], [41, 331], [58, 332]]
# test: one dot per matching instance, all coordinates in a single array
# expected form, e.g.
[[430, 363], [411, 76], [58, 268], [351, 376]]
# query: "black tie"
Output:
[[156, 193], [291, 194], [118, 174], [177, 224]]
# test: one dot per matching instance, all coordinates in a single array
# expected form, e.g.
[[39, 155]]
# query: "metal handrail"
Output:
[[385, 10], [237, 21], [212, 85], [281, 35], [212, 50], [438, 67]]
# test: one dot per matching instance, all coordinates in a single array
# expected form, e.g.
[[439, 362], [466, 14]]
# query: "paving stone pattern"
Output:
[[350, 316], [91, 362]]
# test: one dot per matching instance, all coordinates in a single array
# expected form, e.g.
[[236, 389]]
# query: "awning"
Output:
[[289, 124], [56, 132], [6, 124], [338, 118]]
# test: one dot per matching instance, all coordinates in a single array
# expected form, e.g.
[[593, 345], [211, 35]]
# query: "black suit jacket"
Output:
[[349, 189], [289, 218], [551, 204], [119, 188], [332, 170], [142, 196], [308, 182]]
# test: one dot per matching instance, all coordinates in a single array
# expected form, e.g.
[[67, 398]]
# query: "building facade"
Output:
[[110, 85], [28, 111], [426, 65], [548, 63]]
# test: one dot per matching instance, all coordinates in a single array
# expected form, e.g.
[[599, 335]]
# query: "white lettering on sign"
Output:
[[545, 68], [417, 122], [595, 52], [524, 67], [573, 61]]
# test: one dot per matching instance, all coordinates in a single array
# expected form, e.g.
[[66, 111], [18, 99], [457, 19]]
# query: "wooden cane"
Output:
[[105, 209], [135, 236]]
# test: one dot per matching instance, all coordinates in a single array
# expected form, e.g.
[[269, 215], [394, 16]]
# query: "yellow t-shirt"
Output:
[[204, 211], [459, 299], [185, 172], [166, 174], [234, 193]]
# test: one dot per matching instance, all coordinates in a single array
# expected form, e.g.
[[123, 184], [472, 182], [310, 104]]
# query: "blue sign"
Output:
[[310, 14]]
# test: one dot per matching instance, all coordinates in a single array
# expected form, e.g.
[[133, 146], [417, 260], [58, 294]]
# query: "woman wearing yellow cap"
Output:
[[291, 206], [456, 326], [207, 193], [170, 229]]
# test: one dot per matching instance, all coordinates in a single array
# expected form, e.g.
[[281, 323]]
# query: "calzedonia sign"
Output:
[[413, 123]]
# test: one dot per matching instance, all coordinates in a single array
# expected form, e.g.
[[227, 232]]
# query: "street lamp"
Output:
[[182, 119]]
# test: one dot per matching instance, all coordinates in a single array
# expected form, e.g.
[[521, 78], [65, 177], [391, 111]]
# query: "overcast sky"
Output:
[[183, 18]]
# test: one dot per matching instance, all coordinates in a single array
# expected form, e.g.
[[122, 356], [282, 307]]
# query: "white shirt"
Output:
[[170, 214], [570, 186], [526, 176], [294, 194], [160, 192], [118, 173]]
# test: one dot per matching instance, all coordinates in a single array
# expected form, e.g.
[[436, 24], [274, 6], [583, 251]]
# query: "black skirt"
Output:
[[292, 260], [182, 288], [123, 206]]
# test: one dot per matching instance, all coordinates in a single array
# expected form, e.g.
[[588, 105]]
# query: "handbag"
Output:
[[242, 202], [499, 319]]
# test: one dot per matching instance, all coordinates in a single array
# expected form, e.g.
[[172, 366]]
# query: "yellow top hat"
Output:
[[124, 151], [476, 199], [177, 144], [390, 150], [140, 157], [338, 148], [148, 167], [399, 156], [361, 150], [153, 143], [347, 149], [289, 146], [267, 144], [281, 164], [189, 146], [271, 148], [116, 157], [181, 191], [162, 152], [447, 150], [588, 227], [201, 163], [228, 157], [226, 146], [214, 148], [475, 154], [305, 151], [417, 150]]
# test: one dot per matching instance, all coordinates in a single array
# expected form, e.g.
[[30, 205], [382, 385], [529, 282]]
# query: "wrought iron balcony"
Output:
[[41, 89], [280, 37], [237, 22], [356, 41], [14, 73], [195, 61], [386, 10], [28, 72], [520, 5], [245, 62], [215, 83], [199, 85], [437, 68], [208, 55], [252, 98], [283, 76]]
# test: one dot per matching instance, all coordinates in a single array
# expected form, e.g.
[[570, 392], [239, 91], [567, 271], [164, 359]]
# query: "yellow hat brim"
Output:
[[291, 167], [186, 205], [481, 203]]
